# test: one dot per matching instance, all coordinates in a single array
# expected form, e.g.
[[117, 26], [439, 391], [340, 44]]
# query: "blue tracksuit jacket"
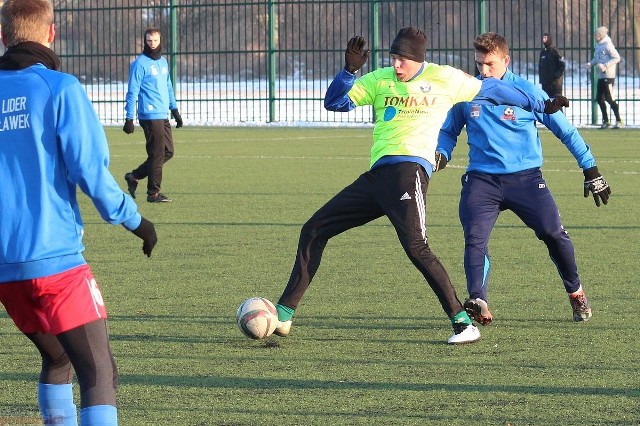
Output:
[[150, 85], [51, 142], [504, 139]]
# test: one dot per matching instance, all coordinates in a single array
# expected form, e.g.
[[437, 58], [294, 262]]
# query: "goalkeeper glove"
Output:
[[594, 182], [355, 56]]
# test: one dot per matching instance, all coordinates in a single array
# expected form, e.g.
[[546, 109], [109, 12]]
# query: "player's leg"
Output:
[[478, 210], [154, 132], [143, 170], [88, 349], [55, 392], [402, 190], [601, 91], [77, 315], [168, 141], [532, 202], [611, 100], [351, 207]]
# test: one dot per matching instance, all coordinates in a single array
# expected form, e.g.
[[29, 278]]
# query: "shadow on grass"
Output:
[[302, 384]]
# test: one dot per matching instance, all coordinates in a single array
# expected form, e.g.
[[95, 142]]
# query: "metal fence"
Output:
[[245, 62]]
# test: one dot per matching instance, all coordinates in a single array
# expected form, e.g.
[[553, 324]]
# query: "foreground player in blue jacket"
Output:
[[51, 142], [505, 156]]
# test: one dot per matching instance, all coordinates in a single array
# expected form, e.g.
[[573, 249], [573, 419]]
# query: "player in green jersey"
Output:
[[411, 100]]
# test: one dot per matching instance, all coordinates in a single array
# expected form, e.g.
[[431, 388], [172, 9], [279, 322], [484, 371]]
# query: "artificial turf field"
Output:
[[368, 345]]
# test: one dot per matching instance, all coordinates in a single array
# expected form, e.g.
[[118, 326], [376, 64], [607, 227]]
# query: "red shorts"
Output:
[[54, 304]]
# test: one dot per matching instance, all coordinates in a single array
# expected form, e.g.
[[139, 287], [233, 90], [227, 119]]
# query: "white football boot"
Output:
[[283, 328], [463, 333]]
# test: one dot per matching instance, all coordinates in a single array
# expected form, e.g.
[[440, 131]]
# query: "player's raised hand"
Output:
[[594, 182], [356, 55]]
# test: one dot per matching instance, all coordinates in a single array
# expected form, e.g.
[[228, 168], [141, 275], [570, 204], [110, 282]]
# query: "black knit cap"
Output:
[[410, 43]]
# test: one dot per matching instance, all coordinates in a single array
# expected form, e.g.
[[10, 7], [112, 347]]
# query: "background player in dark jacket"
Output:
[[551, 67], [51, 143]]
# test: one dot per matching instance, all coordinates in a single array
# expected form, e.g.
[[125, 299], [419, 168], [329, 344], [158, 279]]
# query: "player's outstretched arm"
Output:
[[498, 92]]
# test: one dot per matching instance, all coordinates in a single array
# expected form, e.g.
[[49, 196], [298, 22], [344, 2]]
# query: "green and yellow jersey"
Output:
[[410, 114]]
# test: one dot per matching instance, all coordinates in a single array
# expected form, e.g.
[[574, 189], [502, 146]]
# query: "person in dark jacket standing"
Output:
[[551, 67]]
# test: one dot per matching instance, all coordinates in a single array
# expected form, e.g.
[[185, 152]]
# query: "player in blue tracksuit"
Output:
[[51, 142], [151, 89], [505, 156]]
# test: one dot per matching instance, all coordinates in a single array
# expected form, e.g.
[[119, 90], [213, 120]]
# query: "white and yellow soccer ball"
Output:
[[257, 317]]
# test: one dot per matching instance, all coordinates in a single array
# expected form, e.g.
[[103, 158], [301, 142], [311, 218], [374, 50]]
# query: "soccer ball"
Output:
[[257, 318]]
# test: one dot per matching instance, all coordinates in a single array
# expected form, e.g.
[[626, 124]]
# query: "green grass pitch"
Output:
[[368, 345]]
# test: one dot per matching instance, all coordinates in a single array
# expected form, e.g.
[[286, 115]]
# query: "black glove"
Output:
[[594, 182], [441, 161], [555, 104], [355, 56], [147, 232], [176, 116], [128, 126]]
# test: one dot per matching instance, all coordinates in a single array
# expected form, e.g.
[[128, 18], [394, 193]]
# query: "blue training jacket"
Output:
[[51, 141], [504, 139], [150, 85]]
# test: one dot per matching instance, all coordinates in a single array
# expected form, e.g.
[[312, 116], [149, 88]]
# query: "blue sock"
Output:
[[99, 415], [56, 404]]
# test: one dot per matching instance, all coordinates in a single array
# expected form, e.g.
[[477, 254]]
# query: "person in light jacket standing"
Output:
[[604, 60]]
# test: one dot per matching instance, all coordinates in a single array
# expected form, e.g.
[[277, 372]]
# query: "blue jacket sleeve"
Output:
[[560, 126], [172, 96], [497, 92], [133, 89], [85, 150], [337, 98], [450, 130]]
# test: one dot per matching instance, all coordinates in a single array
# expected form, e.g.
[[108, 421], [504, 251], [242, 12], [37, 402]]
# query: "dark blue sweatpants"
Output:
[[525, 193]]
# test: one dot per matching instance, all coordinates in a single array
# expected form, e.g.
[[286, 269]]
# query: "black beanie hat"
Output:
[[410, 43]]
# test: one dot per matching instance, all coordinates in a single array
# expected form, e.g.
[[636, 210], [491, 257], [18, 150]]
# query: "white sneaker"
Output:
[[618, 125], [464, 334], [283, 328]]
